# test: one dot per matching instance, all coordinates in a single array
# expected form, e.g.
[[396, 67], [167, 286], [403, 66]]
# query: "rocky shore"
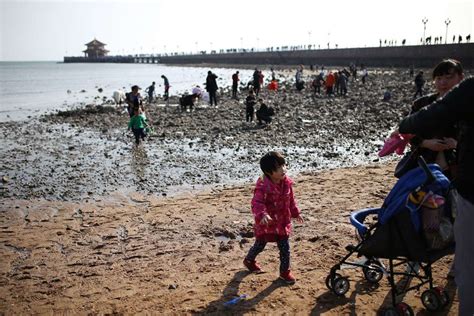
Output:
[[88, 151]]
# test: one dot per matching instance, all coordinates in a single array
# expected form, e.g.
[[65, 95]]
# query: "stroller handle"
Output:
[[357, 219], [430, 178]]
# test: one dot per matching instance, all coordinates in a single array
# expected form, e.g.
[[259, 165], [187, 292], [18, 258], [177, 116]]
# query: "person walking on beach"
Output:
[[299, 78], [365, 74], [329, 82], [151, 91], [440, 148], [343, 80], [456, 108], [273, 207], [264, 113], [336, 83], [317, 83], [419, 83], [211, 87], [250, 106], [138, 124], [133, 99], [260, 78], [235, 83], [256, 81], [188, 100], [167, 88]]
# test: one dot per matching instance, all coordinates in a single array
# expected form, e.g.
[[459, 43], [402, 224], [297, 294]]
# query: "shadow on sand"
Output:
[[231, 291], [404, 282], [328, 300]]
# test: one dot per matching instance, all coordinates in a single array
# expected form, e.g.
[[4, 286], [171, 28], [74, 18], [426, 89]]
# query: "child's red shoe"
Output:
[[288, 277], [252, 266]]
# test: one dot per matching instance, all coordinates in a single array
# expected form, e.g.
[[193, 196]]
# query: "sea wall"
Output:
[[400, 56]]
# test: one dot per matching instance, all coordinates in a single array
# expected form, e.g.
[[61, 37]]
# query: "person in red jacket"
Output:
[[273, 207], [330, 81]]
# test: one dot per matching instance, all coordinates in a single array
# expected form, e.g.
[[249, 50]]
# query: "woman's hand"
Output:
[[451, 143], [266, 220], [436, 144], [394, 133]]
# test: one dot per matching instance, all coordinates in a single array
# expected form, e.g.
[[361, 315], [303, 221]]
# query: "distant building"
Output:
[[95, 49]]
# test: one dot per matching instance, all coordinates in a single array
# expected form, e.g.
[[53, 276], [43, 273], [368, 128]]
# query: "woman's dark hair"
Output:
[[447, 66], [271, 161]]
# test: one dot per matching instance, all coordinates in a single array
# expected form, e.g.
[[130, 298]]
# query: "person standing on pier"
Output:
[[167, 87]]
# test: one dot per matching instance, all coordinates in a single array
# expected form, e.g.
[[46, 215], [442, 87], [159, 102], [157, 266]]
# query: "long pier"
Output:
[[396, 56], [139, 59]]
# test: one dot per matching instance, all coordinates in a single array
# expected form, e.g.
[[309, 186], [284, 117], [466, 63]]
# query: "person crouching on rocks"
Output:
[[138, 124], [250, 106], [264, 113], [273, 207], [188, 100]]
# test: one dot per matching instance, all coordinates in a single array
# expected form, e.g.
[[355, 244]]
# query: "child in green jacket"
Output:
[[137, 124]]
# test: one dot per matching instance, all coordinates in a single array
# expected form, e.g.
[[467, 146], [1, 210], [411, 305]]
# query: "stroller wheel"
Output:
[[340, 285], [443, 296], [404, 309], [329, 280], [373, 272], [390, 311], [431, 300]]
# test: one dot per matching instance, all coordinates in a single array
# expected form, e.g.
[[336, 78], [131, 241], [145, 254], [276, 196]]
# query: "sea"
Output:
[[29, 89]]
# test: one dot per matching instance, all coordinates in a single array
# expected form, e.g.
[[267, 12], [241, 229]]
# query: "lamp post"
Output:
[[258, 43], [447, 21], [197, 51], [424, 20], [241, 43], [309, 38]]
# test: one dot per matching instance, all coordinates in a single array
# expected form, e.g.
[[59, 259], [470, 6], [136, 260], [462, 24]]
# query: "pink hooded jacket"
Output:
[[276, 200]]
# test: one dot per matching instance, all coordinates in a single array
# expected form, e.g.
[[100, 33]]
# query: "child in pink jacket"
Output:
[[273, 206]]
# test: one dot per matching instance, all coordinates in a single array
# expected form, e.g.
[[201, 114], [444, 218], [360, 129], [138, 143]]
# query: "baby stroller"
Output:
[[400, 234]]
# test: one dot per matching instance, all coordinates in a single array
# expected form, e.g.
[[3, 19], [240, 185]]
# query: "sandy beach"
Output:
[[89, 225], [183, 255]]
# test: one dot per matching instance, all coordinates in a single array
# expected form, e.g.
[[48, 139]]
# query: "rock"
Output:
[[5, 179], [225, 246]]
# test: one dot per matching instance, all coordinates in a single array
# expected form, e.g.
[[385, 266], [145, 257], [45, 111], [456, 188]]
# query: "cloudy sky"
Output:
[[49, 30]]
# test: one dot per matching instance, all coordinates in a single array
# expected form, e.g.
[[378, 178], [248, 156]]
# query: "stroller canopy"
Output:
[[397, 199]]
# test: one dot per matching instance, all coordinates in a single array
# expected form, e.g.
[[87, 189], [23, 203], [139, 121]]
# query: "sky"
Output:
[[36, 30]]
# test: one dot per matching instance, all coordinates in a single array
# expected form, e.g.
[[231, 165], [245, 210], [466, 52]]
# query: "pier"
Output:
[[395, 56]]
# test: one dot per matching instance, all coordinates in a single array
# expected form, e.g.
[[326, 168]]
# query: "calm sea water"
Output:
[[33, 88]]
